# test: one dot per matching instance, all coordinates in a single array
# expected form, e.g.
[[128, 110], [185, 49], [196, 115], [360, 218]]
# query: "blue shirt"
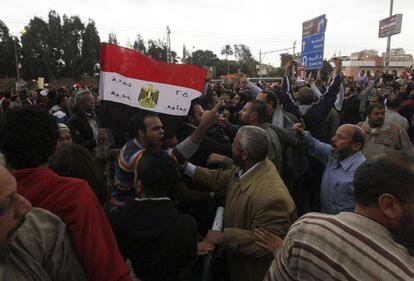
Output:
[[337, 189]]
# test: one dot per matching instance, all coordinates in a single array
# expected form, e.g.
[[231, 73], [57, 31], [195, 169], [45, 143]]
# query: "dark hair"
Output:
[[358, 137], [59, 98], [259, 108], [388, 173], [74, 160], [206, 100], [373, 106], [28, 137], [157, 172], [271, 97], [394, 101], [138, 120], [194, 102]]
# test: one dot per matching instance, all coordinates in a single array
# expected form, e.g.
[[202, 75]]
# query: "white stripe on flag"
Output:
[[173, 100]]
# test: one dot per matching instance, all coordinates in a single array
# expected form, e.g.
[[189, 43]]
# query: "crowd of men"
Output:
[[315, 179]]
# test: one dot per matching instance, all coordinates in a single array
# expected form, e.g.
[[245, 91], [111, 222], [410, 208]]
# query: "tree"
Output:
[[228, 51], [157, 49], [204, 58], [245, 59], [55, 43], [284, 59], [139, 44], [90, 48], [36, 50], [112, 38], [185, 55], [72, 31], [224, 67], [7, 56]]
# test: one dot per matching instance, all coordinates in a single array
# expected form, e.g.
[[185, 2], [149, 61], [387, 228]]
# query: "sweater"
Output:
[[75, 203]]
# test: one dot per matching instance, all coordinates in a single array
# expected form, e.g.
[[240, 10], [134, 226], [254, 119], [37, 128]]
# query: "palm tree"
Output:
[[228, 51]]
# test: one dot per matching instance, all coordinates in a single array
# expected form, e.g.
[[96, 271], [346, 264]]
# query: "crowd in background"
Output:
[[140, 203]]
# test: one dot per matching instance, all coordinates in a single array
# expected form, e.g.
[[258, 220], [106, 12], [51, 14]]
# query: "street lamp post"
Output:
[[17, 64], [387, 58]]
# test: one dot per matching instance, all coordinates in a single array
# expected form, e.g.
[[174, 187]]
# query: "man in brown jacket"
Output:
[[255, 197], [383, 136]]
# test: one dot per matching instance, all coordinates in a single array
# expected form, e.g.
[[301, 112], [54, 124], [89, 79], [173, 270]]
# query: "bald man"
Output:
[[341, 159]]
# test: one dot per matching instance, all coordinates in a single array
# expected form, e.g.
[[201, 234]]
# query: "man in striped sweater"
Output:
[[375, 242]]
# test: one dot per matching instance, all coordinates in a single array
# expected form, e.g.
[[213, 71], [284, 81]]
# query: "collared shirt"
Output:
[[94, 125], [337, 190]]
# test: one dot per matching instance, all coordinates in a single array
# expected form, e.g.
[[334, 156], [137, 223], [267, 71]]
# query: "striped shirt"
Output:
[[347, 246]]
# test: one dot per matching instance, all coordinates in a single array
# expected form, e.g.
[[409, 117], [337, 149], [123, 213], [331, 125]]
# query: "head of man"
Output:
[[250, 146], [383, 192], [155, 174], [149, 129], [64, 135], [236, 100], [253, 113], [85, 101], [348, 140], [348, 91], [13, 207], [306, 96], [195, 113], [28, 137], [270, 99], [394, 102], [376, 115], [62, 101]]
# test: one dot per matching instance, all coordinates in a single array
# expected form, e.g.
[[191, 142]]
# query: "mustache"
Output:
[[21, 222]]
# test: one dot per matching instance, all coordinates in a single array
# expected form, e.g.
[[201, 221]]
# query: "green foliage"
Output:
[[36, 49], [7, 56], [90, 48], [284, 59], [204, 58], [139, 44], [72, 31], [67, 47], [59, 48], [112, 38]]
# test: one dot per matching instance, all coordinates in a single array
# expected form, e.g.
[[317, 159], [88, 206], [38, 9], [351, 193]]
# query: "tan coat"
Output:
[[260, 198], [390, 137]]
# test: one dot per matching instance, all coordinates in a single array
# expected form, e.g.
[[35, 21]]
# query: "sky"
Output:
[[266, 25]]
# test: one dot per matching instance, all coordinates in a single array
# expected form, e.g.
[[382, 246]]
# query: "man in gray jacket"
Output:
[[34, 243]]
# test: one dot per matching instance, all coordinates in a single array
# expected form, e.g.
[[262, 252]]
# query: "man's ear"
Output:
[[356, 146], [141, 133], [253, 116], [138, 186], [390, 206], [245, 155]]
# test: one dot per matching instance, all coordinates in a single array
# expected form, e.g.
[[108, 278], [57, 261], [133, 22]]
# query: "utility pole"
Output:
[[388, 55], [260, 64], [168, 45], [17, 63], [294, 47], [263, 54]]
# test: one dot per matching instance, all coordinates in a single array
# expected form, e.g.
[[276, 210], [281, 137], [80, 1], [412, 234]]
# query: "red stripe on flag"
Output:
[[132, 64]]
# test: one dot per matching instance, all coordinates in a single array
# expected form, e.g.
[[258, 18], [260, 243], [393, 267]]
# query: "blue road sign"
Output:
[[313, 41]]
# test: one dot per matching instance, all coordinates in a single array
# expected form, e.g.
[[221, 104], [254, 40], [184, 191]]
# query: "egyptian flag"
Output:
[[131, 81]]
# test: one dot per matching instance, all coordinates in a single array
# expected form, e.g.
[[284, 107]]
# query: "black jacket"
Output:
[[81, 130], [156, 238]]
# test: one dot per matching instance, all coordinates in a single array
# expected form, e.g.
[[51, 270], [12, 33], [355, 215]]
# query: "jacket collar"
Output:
[[255, 173], [367, 129]]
